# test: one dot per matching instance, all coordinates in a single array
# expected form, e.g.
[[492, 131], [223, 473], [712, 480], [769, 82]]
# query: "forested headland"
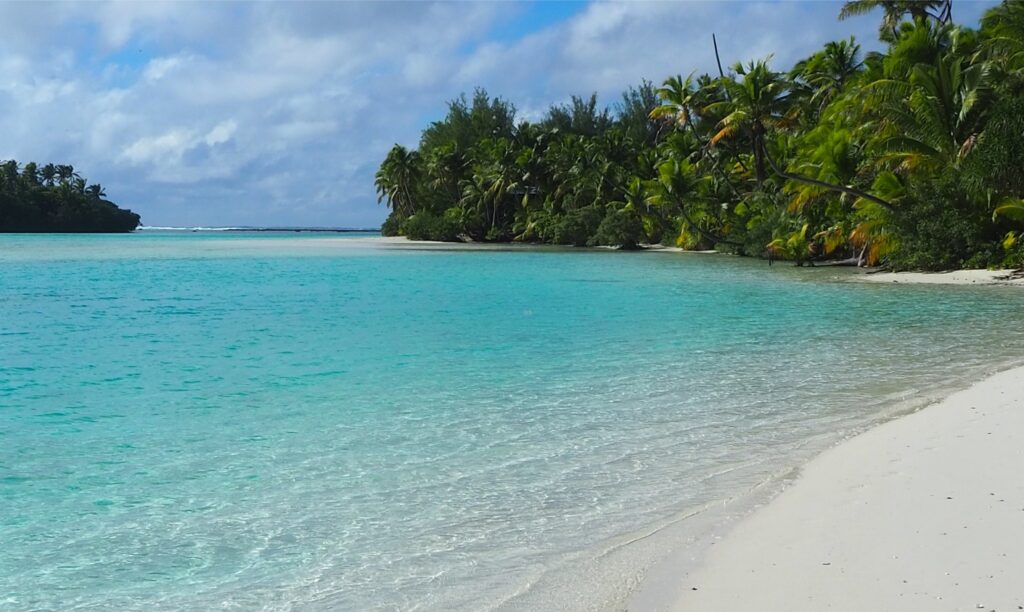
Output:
[[54, 198], [911, 157]]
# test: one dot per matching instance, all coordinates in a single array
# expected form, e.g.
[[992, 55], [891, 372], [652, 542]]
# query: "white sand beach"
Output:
[[925, 512], [955, 277]]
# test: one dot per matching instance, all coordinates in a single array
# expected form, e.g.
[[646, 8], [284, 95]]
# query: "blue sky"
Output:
[[278, 113]]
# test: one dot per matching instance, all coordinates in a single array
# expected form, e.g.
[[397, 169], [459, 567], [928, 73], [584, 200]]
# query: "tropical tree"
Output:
[[30, 175], [48, 174], [1003, 28], [755, 103], [397, 180], [822, 77], [895, 10], [31, 201], [633, 113], [65, 172], [446, 167], [500, 181], [679, 98], [908, 156], [580, 116], [932, 118], [96, 191]]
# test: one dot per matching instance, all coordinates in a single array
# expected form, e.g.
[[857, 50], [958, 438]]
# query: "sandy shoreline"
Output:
[[925, 512], [956, 277]]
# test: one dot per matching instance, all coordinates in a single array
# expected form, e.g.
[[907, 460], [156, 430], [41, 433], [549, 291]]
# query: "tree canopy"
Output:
[[909, 157], [54, 198]]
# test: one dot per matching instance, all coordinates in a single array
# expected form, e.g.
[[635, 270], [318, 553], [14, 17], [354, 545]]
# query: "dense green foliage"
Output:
[[56, 199], [912, 157]]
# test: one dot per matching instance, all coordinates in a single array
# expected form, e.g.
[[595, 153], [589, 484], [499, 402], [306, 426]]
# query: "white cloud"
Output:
[[159, 67], [221, 133], [163, 149]]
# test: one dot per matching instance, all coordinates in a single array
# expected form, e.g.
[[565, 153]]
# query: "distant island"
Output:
[[54, 198], [909, 157]]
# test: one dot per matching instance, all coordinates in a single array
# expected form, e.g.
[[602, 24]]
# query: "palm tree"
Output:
[[679, 98], [474, 200], [446, 166], [682, 104], [581, 171], [677, 191], [826, 154], [397, 179], [48, 173], [501, 179], [30, 174], [931, 120], [9, 174], [65, 172], [755, 104], [895, 10], [824, 75], [1004, 29]]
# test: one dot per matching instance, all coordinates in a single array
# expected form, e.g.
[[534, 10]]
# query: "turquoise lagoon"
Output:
[[282, 421]]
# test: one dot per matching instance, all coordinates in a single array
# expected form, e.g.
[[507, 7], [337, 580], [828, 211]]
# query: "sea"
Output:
[[281, 420]]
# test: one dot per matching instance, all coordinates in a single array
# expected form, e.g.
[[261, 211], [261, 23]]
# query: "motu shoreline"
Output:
[[953, 277], [921, 513]]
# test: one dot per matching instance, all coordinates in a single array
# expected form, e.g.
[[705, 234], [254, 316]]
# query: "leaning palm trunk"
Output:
[[713, 237], [831, 187]]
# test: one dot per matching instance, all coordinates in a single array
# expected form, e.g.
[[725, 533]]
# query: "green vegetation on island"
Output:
[[912, 157], [54, 198]]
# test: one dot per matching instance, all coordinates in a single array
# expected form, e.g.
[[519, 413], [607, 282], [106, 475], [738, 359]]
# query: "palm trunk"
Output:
[[759, 163], [712, 237], [824, 185], [718, 60], [759, 152]]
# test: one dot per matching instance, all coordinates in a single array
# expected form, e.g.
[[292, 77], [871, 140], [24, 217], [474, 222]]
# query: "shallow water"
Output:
[[287, 421]]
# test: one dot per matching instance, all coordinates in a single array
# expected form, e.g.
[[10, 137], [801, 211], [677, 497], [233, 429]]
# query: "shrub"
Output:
[[392, 226], [995, 162], [571, 228], [428, 226], [940, 229], [621, 228], [498, 234]]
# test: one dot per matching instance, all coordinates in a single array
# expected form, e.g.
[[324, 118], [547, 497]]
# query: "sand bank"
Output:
[[925, 512], [956, 277]]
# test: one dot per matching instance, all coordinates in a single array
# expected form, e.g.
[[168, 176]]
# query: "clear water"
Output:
[[242, 421]]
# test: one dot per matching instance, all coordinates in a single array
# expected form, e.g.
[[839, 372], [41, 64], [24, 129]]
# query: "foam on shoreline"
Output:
[[922, 512]]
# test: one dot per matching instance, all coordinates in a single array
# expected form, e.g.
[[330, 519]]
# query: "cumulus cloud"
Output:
[[278, 113]]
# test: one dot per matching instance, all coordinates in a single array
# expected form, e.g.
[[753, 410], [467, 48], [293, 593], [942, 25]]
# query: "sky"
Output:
[[278, 113]]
